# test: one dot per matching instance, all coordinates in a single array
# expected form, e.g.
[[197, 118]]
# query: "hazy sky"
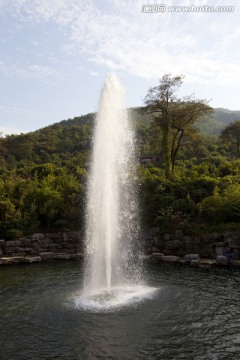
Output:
[[55, 55]]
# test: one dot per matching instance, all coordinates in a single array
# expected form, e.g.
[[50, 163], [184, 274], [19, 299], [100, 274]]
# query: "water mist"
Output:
[[112, 270]]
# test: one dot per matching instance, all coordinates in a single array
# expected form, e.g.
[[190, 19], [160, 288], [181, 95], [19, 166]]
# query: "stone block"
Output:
[[29, 250], [17, 242], [183, 262], [37, 236], [54, 246], [190, 257], [158, 255], [26, 242], [9, 249], [2, 243], [235, 263], [35, 245], [64, 256], [167, 237], [179, 234], [209, 262], [47, 255], [9, 243], [54, 236], [68, 251], [12, 260], [171, 259], [222, 260], [32, 259], [194, 263], [187, 240], [174, 244], [1, 252], [43, 249]]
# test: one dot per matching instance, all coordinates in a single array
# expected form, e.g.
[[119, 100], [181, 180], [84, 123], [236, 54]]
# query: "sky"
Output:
[[55, 54]]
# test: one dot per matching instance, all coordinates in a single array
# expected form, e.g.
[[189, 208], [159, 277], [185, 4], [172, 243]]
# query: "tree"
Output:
[[231, 135], [174, 117]]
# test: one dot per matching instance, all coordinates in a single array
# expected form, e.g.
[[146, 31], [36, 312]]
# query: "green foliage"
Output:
[[43, 178]]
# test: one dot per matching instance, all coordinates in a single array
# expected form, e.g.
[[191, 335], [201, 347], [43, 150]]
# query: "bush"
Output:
[[13, 234]]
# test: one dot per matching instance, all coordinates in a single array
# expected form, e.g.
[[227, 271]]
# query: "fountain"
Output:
[[112, 269]]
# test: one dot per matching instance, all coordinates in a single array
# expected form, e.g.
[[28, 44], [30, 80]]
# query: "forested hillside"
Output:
[[43, 176]]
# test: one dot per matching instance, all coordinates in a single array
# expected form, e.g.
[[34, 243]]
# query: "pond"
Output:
[[193, 314]]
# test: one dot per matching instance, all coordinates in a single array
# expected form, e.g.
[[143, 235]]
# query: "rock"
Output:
[[194, 263], [174, 244], [26, 242], [1, 252], [167, 237], [171, 259], [187, 239], [179, 234], [183, 262], [207, 262], [12, 260], [37, 236], [190, 257], [54, 246], [155, 249], [32, 259], [9, 249], [64, 256], [2, 243], [235, 263], [80, 255], [47, 255], [17, 243], [29, 250], [222, 260], [158, 255], [9, 243]]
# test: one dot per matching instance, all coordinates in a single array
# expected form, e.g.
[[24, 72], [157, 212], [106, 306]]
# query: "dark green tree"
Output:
[[230, 135]]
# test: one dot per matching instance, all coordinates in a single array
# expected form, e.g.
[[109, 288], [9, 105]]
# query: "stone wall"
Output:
[[38, 247], [206, 245]]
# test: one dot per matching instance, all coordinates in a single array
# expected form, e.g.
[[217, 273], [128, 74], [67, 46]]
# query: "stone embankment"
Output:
[[200, 251], [41, 247]]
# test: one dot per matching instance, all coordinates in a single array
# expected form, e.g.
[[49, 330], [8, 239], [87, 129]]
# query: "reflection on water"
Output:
[[194, 315]]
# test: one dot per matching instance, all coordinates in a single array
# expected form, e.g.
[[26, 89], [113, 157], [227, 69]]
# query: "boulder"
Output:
[[2, 243], [158, 255], [26, 242], [222, 260], [32, 259], [190, 257], [207, 263], [12, 260], [47, 255], [179, 234], [170, 259], [183, 262], [194, 263], [64, 256], [9, 243], [235, 263]]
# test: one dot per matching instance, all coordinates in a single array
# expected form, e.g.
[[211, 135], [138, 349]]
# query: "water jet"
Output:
[[112, 266]]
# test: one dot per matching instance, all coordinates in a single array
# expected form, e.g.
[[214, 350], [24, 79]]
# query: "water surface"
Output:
[[194, 314]]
